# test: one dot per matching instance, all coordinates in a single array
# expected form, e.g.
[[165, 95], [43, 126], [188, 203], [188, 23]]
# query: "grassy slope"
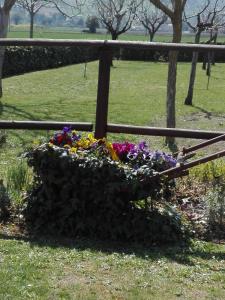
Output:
[[137, 96], [83, 270]]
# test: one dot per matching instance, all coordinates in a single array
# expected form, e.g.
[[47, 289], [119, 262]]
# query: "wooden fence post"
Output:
[[105, 61]]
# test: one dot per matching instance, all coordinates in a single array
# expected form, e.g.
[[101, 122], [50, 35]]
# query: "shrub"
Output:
[[92, 188], [19, 60]]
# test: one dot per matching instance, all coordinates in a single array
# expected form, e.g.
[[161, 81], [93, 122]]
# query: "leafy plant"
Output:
[[88, 187], [18, 181], [2, 138], [209, 171], [215, 201], [4, 202]]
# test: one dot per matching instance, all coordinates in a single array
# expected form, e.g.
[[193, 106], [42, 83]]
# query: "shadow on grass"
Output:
[[12, 109], [183, 254], [208, 114]]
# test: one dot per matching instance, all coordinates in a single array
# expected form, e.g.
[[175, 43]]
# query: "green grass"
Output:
[[137, 96], [21, 31], [46, 269]]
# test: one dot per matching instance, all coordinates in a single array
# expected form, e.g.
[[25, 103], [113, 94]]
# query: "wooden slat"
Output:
[[112, 44], [204, 144], [173, 171], [158, 131], [103, 93], [45, 125]]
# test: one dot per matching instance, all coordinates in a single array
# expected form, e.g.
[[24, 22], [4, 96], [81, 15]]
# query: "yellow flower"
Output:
[[73, 150], [67, 146], [83, 143], [91, 138], [111, 151]]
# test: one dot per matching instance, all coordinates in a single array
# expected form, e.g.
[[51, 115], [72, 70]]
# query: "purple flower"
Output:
[[147, 155], [132, 155], [142, 146], [76, 137], [157, 155], [67, 129], [170, 160]]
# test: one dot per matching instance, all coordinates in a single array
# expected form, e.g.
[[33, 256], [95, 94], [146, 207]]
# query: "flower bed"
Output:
[[89, 187]]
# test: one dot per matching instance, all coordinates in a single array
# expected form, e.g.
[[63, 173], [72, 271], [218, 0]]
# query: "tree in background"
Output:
[[209, 17], [151, 18], [92, 24], [67, 8], [32, 7], [174, 11], [116, 15], [5, 9], [16, 18]]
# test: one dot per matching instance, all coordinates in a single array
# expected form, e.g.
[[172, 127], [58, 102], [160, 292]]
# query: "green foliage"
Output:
[[92, 23], [18, 181], [156, 55], [19, 60], [2, 137], [209, 172], [215, 201], [95, 197], [4, 202]]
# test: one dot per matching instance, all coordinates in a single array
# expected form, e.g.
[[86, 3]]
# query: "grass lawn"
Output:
[[137, 96], [47, 269]]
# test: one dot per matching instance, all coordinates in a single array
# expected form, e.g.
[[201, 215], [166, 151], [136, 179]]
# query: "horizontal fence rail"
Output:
[[160, 131], [116, 128], [112, 44], [45, 125]]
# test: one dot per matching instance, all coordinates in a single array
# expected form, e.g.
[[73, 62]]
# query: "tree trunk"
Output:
[[213, 53], [151, 36], [204, 62], [4, 20], [189, 98], [114, 38], [31, 25], [208, 70], [171, 82]]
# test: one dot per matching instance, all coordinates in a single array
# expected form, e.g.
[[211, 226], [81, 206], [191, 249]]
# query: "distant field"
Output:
[[69, 33]]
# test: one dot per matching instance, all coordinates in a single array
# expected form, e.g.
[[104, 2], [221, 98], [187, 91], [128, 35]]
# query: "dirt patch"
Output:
[[202, 120]]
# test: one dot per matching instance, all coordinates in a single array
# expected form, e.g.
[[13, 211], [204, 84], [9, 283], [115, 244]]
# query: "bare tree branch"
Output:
[[117, 15], [151, 18], [163, 7], [67, 8]]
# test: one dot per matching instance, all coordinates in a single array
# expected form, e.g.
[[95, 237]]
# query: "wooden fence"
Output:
[[101, 124]]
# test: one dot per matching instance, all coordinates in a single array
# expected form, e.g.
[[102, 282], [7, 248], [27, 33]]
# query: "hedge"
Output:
[[20, 60], [155, 55]]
